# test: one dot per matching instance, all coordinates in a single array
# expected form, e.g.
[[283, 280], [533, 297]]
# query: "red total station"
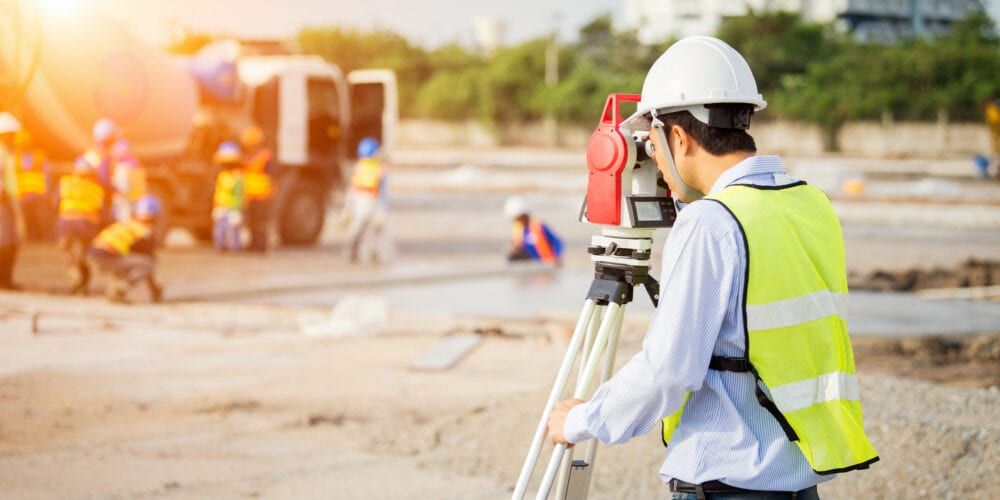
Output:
[[607, 157]]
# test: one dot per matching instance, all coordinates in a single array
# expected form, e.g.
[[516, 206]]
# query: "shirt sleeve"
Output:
[[701, 260]]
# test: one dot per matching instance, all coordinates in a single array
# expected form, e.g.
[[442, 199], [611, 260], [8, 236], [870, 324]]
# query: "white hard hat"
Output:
[[8, 123], [104, 130], [695, 71], [514, 207]]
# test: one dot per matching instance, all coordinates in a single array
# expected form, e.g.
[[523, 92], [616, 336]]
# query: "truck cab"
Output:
[[313, 116]]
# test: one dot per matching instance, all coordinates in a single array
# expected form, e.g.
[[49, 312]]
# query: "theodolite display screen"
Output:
[[652, 211]]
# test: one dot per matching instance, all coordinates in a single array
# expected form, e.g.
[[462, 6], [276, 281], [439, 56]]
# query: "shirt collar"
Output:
[[754, 165]]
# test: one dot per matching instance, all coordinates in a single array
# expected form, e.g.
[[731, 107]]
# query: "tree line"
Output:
[[809, 72]]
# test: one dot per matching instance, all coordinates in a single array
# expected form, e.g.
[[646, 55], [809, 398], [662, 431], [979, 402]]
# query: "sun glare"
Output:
[[59, 7]]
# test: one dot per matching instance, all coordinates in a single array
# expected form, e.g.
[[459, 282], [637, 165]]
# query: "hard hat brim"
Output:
[[642, 118]]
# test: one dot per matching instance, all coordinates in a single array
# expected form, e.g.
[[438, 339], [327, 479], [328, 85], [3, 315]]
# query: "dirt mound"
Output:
[[967, 361], [970, 273]]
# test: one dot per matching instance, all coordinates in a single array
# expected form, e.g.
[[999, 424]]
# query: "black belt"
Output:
[[678, 486]]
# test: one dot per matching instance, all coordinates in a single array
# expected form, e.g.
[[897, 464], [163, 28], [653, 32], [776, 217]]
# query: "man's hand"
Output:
[[557, 421]]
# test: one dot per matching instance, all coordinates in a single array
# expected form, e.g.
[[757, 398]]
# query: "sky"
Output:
[[428, 22]]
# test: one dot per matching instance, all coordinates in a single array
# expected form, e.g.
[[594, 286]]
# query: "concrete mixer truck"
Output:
[[59, 74]]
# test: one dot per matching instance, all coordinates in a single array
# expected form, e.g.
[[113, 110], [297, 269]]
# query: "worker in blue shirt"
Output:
[[531, 239], [746, 368]]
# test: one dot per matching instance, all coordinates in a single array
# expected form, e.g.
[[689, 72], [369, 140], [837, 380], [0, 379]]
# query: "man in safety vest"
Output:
[[126, 251], [128, 178], [10, 240], [366, 208], [258, 188], [33, 181], [746, 367], [229, 199], [81, 202], [993, 126], [531, 239]]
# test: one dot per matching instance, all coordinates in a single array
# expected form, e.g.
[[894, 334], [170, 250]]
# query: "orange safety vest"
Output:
[[257, 182], [121, 236], [228, 189], [536, 239], [80, 198], [367, 175], [30, 175]]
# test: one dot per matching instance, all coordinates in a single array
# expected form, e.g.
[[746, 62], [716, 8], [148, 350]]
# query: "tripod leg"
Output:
[[607, 370], [610, 316], [557, 390], [588, 345]]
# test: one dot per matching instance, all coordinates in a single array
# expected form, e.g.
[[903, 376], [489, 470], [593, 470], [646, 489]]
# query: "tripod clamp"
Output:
[[620, 265]]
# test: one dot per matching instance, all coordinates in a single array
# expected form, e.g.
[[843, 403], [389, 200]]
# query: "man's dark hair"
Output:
[[717, 141]]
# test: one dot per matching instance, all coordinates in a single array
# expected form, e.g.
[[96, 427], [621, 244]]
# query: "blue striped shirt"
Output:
[[724, 434]]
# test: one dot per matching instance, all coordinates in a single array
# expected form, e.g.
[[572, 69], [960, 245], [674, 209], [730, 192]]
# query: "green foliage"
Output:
[[809, 72]]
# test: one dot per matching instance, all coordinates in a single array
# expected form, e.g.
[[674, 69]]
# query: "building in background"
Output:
[[489, 33], [869, 20]]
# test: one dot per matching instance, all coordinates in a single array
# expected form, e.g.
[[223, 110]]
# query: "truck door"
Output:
[[324, 122], [374, 108]]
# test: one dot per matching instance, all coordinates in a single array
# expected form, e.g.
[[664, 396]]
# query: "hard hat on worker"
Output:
[[148, 208], [694, 72], [8, 123], [368, 147], [121, 150], [229, 153], [104, 130], [252, 136], [514, 207]]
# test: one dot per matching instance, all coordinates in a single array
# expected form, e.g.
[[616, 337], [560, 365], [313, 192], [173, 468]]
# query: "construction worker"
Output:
[[10, 240], [531, 239], [366, 207], [128, 178], [104, 133], [34, 193], [746, 367], [258, 187], [126, 251], [227, 213], [81, 201]]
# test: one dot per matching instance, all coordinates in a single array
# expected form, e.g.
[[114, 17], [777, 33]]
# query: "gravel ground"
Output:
[[934, 441]]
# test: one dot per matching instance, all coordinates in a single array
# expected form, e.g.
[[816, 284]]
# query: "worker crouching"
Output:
[[81, 202], [227, 213], [126, 252], [531, 239]]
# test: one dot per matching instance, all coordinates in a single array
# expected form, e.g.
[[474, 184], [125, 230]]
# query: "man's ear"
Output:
[[680, 141]]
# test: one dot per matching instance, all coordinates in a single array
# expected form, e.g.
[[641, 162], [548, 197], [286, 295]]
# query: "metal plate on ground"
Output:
[[446, 353]]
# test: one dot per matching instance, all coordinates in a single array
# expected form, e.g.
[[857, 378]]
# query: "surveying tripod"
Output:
[[621, 262]]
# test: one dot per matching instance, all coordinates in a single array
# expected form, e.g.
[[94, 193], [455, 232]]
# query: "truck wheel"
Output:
[[302, 216]]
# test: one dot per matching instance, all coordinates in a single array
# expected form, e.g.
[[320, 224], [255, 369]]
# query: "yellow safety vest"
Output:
[[121, 236], [80, 198], [30, 175], [136, 179], [367, 175], [256, 179], [796, 334], [228, 189]]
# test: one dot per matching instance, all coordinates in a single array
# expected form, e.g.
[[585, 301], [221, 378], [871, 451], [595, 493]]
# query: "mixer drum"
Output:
[[91, 67]]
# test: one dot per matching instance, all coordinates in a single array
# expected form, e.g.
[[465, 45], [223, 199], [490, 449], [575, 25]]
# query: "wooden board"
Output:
[[446, 353]]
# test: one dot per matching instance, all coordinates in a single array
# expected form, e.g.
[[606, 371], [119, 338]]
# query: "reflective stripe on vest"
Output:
[[794, 305], [80, 197], [257, 181], [367, 175], [30, 176], [226, 186], [121, 236]]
